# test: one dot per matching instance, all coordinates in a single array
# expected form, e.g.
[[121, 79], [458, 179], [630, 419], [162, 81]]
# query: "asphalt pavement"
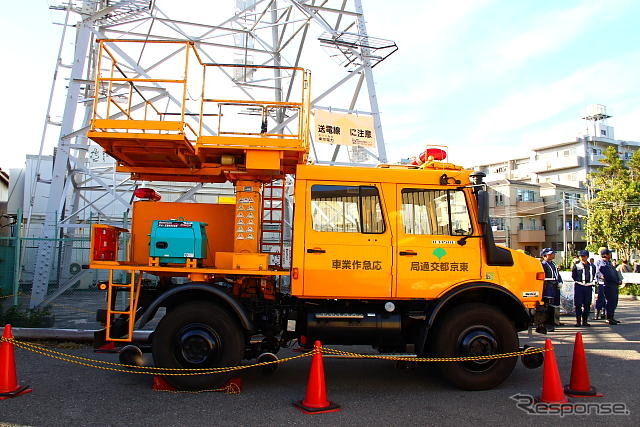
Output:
[[370, 392]]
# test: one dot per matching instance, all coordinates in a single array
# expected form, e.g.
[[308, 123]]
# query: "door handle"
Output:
[[316, 251], [408, 253]]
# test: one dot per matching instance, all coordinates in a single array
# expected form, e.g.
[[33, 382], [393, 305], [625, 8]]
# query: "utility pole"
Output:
[[564, 229], [573, 224]]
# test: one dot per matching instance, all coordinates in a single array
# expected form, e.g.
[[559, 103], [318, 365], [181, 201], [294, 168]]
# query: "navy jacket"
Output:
[[551, 272], [606, 273]]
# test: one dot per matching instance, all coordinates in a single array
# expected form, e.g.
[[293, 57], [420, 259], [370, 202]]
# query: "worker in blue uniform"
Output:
[[552, 282], [601, 300], [607, 274], [583, 275]]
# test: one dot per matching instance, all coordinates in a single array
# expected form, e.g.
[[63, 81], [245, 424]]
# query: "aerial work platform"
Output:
[[208, 137]]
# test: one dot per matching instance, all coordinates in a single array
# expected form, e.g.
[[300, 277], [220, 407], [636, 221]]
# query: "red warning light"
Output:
[[429, 154], [147, 194], [436, 153]]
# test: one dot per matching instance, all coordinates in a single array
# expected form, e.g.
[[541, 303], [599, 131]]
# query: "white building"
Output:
[[558, 172], [565, 162]]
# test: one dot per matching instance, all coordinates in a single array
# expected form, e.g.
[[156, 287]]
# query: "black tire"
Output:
[[471, 330], [197, 335]]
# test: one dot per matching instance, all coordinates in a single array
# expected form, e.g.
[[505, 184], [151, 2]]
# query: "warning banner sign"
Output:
[[344, 129]]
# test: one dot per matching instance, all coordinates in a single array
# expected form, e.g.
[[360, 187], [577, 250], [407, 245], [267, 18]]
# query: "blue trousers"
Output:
[[582, 300], [611, 294], [601, 300]]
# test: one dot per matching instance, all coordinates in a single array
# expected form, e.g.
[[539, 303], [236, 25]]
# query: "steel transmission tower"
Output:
[[328, 37]]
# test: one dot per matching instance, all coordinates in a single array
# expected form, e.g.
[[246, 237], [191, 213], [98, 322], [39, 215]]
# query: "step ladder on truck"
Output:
[[399, 257]]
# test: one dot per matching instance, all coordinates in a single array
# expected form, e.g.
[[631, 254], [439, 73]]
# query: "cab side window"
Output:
[[346, 209], [436, 212]]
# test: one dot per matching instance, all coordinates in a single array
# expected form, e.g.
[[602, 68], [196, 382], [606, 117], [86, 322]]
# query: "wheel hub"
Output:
[[198, 344], [478, 342]]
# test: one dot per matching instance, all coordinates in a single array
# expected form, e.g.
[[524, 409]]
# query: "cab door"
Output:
[[437, 246], [347, 247]]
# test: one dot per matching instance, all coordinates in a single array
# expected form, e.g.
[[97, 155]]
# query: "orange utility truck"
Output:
[[401, 258]]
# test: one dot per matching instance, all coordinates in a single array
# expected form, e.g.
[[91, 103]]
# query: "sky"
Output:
[[487, 78]]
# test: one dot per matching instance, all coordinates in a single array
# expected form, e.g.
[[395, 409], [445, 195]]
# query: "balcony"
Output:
[[534, 235], [495, 176], [557, 164], [520, 174], [596, 159], [500, 234], [530, 208]]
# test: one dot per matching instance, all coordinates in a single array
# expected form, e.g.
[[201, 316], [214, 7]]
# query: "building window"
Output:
[[346, 209], [571, 177], [498, 224], [499, 197], [526, 195], [437, 212]]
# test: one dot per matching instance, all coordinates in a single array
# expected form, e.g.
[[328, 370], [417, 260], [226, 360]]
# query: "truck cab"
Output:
[[403, 258], [396, 233]]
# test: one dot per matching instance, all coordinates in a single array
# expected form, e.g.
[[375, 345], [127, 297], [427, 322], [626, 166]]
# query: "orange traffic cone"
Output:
[[8, 379], [552, 391], [580, 386], [315, 401], [160, 384]]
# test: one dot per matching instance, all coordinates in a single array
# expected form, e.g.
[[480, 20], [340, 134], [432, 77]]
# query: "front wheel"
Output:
[[197, 335], [475, 330]]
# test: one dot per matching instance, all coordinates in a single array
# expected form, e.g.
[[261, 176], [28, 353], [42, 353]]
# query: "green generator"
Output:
[[175, 241]]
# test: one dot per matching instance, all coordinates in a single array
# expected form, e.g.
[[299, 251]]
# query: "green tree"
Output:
[[614, 209]]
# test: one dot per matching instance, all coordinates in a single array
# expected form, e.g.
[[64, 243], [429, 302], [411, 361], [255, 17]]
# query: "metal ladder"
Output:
[[272, 224], [133, 293]]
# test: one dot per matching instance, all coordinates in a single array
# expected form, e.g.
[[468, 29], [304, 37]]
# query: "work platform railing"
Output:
[[152, 118]]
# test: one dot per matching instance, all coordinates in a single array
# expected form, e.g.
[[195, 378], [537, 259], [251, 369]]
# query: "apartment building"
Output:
[[531, 190], [563, 206], [567, 163], [517, 214]]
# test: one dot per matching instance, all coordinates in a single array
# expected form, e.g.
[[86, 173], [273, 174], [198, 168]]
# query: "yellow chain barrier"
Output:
[[152, 370], [231, 388], [526, 351], [145, 370]]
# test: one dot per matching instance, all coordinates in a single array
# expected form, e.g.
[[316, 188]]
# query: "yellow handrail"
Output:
[[115, 73]]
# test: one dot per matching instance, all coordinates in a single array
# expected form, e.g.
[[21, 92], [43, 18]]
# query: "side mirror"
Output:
[[482, 197]]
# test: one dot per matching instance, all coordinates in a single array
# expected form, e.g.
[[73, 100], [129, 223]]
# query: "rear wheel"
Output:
[[197, 335], [475, 330]]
